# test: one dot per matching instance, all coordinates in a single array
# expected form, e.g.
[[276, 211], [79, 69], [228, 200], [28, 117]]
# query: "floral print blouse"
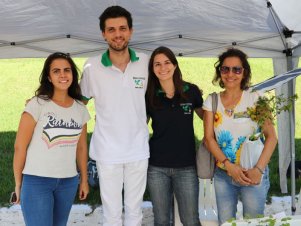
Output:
[[232, 130]]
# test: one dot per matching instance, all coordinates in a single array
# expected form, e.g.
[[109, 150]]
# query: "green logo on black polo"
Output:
[[187, 108]]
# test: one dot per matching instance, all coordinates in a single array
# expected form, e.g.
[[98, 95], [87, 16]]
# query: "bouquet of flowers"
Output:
[[266, 108]]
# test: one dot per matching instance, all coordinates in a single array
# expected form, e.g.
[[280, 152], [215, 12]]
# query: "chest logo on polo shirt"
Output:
[[187, 108], [139, 82]]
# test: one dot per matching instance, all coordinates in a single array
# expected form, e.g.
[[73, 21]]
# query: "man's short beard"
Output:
[[125, 46]]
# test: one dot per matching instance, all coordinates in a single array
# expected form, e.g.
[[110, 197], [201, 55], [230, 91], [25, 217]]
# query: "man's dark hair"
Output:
[[114, 12]]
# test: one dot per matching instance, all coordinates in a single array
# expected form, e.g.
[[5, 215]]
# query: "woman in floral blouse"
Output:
[[226, 134]]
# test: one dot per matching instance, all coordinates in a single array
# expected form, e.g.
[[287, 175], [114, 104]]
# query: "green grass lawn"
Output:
[[19, 80]]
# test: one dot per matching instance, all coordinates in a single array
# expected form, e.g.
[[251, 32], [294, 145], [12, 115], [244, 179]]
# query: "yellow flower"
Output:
[[218, 119], [253, 117], [238, 155]]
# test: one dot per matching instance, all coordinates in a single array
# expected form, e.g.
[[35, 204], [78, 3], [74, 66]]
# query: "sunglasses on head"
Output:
[[60, 54], [226, 70]]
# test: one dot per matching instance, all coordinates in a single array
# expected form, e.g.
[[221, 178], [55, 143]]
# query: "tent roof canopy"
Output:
[[36, 28]]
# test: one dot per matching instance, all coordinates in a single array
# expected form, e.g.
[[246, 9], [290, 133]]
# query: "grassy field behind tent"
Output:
[[19, 79]]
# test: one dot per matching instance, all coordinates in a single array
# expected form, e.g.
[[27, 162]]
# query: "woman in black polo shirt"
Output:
[[170, 104]]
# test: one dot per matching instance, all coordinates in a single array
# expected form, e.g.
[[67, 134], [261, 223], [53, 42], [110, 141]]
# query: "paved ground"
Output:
[[82, 215]]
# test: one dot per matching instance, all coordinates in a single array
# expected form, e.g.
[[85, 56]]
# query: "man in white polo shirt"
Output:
[[117, 81]]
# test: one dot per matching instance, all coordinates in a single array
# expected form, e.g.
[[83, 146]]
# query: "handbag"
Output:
[[205, 161]]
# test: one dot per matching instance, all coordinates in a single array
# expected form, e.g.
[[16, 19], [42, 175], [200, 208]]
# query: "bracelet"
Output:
[[225, 160], [260, 170]]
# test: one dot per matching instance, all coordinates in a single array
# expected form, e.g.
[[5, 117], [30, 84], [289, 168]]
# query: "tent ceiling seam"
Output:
[[260, 48], [39, 40], [205, 50], [87, 39], [86, 51], [37, 48], [274, 16], [155, 40], [5, 43]]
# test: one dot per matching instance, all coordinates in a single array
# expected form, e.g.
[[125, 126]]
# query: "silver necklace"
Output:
[[229, 112]]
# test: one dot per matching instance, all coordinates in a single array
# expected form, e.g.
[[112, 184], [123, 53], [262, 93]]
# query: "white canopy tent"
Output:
[[203, 28], [200, 28]]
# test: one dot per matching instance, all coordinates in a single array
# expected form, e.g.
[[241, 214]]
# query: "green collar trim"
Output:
[[105, 58], [160, 90], [133, 55], [85, 98]]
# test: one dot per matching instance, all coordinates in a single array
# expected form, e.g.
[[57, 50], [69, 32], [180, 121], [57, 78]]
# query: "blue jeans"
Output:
[[183, 182], [228, 191], [47, 201]]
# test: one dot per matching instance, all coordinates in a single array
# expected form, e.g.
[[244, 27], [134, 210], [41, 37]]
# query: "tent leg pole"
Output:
[[293, 157], [292, 137], [293, 180]]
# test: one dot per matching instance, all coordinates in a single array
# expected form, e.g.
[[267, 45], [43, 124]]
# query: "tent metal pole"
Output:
[[297, 46], [286, 35], [276, 20], [292, 137]]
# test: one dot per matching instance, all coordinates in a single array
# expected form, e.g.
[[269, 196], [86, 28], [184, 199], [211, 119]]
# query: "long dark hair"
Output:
[[46, 89], [153, 82], [232, 52]]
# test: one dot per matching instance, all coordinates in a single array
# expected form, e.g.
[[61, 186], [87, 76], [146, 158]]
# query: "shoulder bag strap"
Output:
[[214, 102]]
